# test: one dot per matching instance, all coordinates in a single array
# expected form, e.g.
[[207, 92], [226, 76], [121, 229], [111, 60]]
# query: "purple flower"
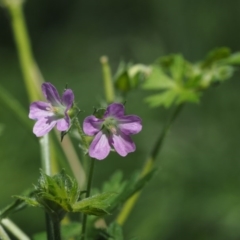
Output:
[[51, 113], [112, 131]]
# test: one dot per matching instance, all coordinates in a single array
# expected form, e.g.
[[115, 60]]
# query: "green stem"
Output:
[[52, 224], [107, 77], [28, 65], [89, 184], [45, 154], [148, 166], [53, 228]]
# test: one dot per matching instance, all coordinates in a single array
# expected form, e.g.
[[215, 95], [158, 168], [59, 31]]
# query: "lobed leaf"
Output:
[[96, 205]]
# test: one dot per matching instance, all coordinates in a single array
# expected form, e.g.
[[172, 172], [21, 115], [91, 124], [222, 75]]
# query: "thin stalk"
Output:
[[3, 234], [32, 75], [52, 224], [14, 229], [45, 154], [28, 66], [89, 184], [107, 78], [148, 166]]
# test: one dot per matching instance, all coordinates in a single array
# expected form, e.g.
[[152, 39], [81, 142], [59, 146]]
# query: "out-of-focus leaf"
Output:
[[166, 99], [223, 72], [172, 91], [177, 68], [181, 81], [216, 55], [158, 80], [115, 231], [232, 59], [96, 205], [115, 183], [132, 186], [129, 76]]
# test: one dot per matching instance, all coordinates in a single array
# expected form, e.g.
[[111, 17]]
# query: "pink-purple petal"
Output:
[[123, 144], [92, 125], [43, 126], [99, 147], [130, 124], [68, 98], [39, 110], [115, 109], [51, 94], [63, 124]]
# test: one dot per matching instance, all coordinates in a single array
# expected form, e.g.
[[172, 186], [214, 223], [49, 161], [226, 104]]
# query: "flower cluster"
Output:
[[112, 131]]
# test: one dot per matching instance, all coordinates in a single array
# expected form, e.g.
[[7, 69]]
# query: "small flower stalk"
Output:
[[113, 130], [55, 112]]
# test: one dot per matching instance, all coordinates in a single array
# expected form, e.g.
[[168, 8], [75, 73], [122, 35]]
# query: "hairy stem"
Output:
[[89, 184], [148, 166], [53, 228]]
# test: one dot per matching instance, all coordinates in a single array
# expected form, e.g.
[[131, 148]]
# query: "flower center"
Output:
[[111, 125], [58, 111]]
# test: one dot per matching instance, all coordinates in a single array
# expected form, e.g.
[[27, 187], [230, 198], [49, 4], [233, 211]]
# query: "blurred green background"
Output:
[[196, 193]]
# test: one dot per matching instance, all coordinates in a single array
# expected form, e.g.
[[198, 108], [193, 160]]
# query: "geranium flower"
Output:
[[51, 113], [112, 131]]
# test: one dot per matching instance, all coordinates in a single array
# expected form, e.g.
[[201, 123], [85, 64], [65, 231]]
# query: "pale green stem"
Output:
[[29, 69], [14, 229], [89, 184], [3, 234], [148, 166], [52, 225], [32, 75], [45, 154], [107, 78]]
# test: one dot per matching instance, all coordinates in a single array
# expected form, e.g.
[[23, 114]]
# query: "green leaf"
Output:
[[115, 183], [131, 187], [216, 55], [96, 205], [57, 191], [177, 68], [166, 99], [29, 201], [158, 79], [223, 73], [232, 59], [130, 76], [121, 79], [16, 205], [180, 81]]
